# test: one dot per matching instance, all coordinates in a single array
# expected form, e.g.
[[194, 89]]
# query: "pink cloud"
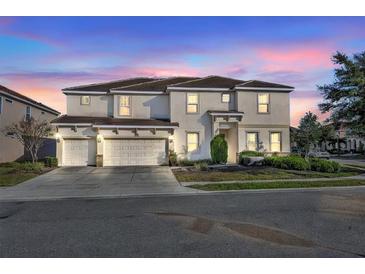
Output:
[[299, 106], [299, 59]]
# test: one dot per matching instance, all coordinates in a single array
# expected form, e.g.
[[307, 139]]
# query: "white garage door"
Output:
[[128, 152], [79, 152]]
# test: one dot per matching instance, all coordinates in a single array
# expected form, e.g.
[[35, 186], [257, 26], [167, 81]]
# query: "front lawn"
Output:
[[258, 173], [14, 173], [272, 185]]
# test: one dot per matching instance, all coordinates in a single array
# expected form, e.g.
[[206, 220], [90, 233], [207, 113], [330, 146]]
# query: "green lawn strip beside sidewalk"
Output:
[[257, 174], [10, 176], [279, 184]]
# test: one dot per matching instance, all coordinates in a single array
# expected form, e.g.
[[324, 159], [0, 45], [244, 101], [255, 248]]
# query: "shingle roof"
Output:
[[65, 119], [13, 94], [210, 82], [262, 84], [106, 86], [158, 85]]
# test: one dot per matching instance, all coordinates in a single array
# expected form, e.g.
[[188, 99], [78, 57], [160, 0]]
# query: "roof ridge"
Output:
[[245, 82], [108, 82], [210, 76], [154, 81]]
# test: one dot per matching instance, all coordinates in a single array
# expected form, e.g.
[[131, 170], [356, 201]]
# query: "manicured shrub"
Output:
[[324, 165], [50, 161], [202, 166], [31, 167], [172, 158], [219, 149], [287, 162]]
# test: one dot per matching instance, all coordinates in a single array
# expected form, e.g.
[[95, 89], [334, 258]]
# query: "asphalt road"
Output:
[[311, 223]]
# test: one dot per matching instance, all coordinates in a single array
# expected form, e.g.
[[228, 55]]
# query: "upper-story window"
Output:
[[226, 97], [192, 103], [1, 104], [85, 100], [28, 113], [263, 101], [124, 105]]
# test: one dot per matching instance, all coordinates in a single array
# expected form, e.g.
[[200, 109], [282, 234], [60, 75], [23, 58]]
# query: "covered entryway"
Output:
[[79, 152], [134, 152]]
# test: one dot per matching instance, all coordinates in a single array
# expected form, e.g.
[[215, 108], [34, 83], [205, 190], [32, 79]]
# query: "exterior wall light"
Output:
[[58, 137], [98, 138]]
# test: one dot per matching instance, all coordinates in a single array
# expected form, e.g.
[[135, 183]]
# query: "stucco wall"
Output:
[[264, 137], [100, 106], [279, 110], [10, 149], [146, 107], [200, 122]]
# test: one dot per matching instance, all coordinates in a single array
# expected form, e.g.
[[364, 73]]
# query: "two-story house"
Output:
[[137, 121], [15, 107]]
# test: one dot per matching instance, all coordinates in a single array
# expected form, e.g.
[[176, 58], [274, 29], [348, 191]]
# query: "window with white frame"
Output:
[[28, 113], [1, 104], [192, 141], [192, 101], [275, 141], [85, 100], [263, 101], [226, 97], [252, 141], [124, 105]]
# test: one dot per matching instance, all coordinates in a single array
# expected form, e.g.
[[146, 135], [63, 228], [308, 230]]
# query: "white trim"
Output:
[[29, 103], [131, 126], [85, 92], [72, 124], [226, 114], [135, 92], [197, 89], [265, 89]]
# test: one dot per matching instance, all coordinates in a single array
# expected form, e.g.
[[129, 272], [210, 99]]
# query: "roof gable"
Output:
[[16, 95], [261, 84], [209, 82]]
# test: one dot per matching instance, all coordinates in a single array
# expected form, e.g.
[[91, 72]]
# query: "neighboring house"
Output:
[[137, 121], [15, 107]]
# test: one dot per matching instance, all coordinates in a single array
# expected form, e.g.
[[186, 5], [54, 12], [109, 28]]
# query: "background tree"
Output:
[[345, 97], [30, 133], [328, 135], [309, 131]]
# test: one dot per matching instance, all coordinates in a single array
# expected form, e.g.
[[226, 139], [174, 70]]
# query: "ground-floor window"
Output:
[[192, 141], [275, 141], [252, 141]]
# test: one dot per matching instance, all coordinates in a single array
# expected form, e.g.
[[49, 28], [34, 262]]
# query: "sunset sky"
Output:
[[41, 55]]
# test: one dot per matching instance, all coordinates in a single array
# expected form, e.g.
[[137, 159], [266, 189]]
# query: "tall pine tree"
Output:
[[345, 97]]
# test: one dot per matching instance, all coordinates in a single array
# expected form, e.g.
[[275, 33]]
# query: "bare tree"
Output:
[[30, 133]]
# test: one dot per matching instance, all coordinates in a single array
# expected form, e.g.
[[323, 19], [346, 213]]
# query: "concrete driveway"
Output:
[[72, 182]]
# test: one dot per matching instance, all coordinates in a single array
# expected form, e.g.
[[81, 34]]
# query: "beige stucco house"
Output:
[[137, 121], [15, 107]]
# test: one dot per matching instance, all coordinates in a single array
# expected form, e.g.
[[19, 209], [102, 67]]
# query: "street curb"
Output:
[[198, 193]]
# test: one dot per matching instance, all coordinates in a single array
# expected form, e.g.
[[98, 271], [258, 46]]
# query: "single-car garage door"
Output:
[[134, 152], [79, 152]]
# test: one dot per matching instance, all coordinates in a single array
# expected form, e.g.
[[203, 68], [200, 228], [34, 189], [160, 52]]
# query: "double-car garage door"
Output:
[[134, 152], [117, 152]]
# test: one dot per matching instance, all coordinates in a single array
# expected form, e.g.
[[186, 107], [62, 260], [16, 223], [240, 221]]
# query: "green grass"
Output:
[[10, 176], [272, 185], [257, 174]]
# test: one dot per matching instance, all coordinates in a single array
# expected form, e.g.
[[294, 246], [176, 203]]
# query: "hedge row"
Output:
[[299, 163]]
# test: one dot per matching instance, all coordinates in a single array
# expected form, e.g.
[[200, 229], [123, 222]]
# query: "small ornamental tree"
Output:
[[219, 149], [30, 133]]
